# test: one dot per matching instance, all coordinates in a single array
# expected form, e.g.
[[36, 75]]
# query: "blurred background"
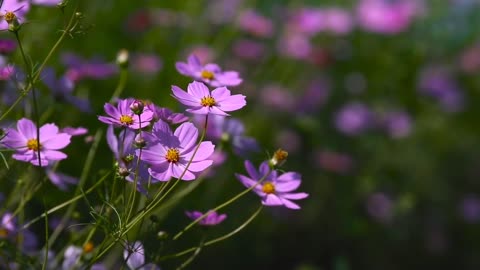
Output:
[[375, 101]]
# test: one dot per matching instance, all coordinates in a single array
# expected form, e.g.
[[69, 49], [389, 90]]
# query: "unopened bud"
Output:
[[162, 235], [140, 142], [123, 58], [137, 107], [279, 157], [78, 15], [123, 172]]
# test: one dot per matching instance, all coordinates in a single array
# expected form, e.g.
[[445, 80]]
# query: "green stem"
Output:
[[60, 206], [194, 255], [228, 202], [42, 66], [218, 239]]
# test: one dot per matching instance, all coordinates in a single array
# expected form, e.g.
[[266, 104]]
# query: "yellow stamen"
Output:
[[207, 75], [268, 188], [173, 155], [207, 101], [88, 247], [126, 120], [33, 144], [9, 16]]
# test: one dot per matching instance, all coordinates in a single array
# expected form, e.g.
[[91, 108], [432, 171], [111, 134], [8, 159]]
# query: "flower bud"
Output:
[[123, 58], [140, 142], [279, 157], [123, 172], [137, 107]]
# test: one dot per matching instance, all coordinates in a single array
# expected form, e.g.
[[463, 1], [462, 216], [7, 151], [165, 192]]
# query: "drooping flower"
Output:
[[122, 115], [24, 140], [134, 255], [169, 153], [13, 10], [275, 189], [201, 101], [62, 89], [213, 218], [210, 74]]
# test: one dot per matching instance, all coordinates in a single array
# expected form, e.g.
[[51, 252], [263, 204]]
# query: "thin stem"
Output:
[[121, 84], [218, 239], [60, 206], [228, 202], [194, 255], [45, 261], [36, 76]]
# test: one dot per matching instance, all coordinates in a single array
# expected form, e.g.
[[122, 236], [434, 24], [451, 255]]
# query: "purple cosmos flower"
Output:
[[212, 219], [166, 115], [146, 63], [387, 17], [252, 22], [6, 70], [353, 118], [79, 68], [275, 189], [122, 115], [231, 130], [210, 74], [17, 7], [168, 153], [24, 140], [398, 124], [438, 83], [295, 45], [201, 101], [134, 255], [62, 89], [7, 45]]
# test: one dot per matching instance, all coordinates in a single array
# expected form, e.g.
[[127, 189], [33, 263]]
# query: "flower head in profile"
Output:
[[28, 146], [210, 74], [275, 189], [124, 116], [212, 219], [168, 154], [200, 101]]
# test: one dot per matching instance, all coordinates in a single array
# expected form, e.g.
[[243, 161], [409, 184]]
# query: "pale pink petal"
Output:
[[198, 89], [185, 98], [295, 196], [27, 128], [271, 199], [187, 133]]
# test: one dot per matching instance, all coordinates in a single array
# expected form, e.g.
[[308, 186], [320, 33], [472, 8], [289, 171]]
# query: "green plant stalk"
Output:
[[228, 202], [36, 75], [218, 239]]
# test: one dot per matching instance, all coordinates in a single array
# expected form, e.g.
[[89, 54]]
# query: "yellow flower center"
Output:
[[126, 120], [173, 155], [3, 233], [33, 144], [207, 75], [88, 247], [207, 101], [9, 16], [268, 188]]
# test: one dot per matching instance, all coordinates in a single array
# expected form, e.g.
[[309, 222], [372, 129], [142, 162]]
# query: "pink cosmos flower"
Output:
[[201, 101], [213, 218], [24, 140], [275, 189], [169, 153], [210, 74], [18, 7], [122, 115]]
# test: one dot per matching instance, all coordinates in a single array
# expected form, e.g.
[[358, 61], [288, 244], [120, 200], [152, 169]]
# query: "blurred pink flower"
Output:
[[387, 17], [252, 22]]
